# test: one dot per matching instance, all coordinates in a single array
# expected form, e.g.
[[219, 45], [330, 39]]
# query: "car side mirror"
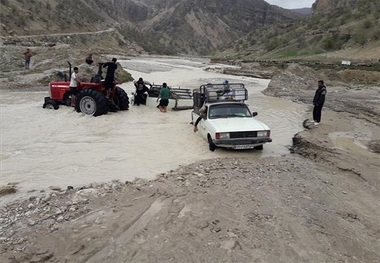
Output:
[[254, 114]]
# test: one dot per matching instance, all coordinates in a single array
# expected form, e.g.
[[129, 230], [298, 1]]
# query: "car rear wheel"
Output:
[[211, 145]]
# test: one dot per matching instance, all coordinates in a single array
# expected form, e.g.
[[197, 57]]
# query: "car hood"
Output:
[[237, 124]]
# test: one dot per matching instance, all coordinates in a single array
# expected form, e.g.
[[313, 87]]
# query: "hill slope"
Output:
[[335, 27], [164, 26]]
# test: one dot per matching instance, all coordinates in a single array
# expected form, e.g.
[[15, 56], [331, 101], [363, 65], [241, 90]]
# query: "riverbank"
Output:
[[232, 210]]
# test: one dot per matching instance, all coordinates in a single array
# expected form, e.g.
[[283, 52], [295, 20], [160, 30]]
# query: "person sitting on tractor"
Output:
[[140, 90], [89, 60], [110, 76], [74, 85]]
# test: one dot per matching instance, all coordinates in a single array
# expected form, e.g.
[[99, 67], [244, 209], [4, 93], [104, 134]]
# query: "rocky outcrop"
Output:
[[328, 5]]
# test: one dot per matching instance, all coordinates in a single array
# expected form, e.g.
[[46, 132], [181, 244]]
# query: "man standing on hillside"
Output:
[[27, 56], [318, 101], [110, 76]]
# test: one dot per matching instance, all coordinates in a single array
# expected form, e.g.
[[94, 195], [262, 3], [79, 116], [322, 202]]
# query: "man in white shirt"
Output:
[[74, 85]]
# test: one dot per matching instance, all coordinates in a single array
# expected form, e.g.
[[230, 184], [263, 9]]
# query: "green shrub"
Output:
[[367, 24], [333, 42], [376, 34], [361, 38]]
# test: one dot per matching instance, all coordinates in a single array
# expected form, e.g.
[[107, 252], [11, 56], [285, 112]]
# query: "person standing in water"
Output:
[[164, 96]]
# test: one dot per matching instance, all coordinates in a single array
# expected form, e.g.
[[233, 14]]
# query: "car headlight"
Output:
[[262, 133], [222, 135]]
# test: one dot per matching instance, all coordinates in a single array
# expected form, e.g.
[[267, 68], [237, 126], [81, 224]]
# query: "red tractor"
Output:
[[92, 98]]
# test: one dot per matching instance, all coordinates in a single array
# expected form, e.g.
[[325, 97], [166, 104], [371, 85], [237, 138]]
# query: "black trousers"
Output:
[[108, 82], [139, 99], [317, 113]]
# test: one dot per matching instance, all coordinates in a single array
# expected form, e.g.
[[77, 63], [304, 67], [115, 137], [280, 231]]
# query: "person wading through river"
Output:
[[164, 96], [318, 101], [140, 90]]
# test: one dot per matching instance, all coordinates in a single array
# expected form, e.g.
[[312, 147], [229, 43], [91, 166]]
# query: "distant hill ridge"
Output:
[[160, 26]]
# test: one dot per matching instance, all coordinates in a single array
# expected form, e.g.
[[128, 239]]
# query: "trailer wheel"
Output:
[[211, 145], [51, 105], [91, 102], [122, 99]]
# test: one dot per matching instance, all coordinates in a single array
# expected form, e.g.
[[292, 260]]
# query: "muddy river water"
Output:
[[41, 148]]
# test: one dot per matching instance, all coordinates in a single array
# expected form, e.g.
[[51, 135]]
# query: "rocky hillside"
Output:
[[327, 5], [162, 26], [343, 28]]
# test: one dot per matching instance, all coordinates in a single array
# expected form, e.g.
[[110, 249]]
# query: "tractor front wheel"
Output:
[[51, 105], [91, 102]]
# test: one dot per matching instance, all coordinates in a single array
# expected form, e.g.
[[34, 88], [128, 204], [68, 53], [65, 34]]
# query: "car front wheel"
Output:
[[259, 147], [211, 145]]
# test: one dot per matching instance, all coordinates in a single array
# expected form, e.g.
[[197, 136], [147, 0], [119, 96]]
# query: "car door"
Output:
[[202, 128]]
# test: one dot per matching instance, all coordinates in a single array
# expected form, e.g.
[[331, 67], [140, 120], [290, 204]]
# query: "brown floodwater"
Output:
[[41, 148]]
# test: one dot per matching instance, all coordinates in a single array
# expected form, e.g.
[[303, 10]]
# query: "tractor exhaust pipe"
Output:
[[69, 71]]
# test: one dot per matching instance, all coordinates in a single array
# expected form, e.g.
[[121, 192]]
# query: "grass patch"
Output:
[[286, 54]]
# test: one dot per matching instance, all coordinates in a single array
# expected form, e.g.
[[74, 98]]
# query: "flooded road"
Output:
[[40, 148]]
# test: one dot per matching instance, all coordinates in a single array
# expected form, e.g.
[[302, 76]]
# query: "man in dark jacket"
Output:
[[318, 101], [110, 76], [141, 88]]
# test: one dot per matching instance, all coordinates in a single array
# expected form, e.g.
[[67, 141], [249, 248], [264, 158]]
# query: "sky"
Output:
[[291, 4]]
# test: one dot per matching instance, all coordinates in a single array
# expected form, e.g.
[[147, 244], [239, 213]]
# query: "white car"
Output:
[[228, 122]]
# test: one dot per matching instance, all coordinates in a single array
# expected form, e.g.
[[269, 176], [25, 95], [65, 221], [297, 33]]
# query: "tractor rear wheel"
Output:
[[121, 99], [91, 102], [51, 105]]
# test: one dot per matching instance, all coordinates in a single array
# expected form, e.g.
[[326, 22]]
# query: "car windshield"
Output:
[[229, 111]]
